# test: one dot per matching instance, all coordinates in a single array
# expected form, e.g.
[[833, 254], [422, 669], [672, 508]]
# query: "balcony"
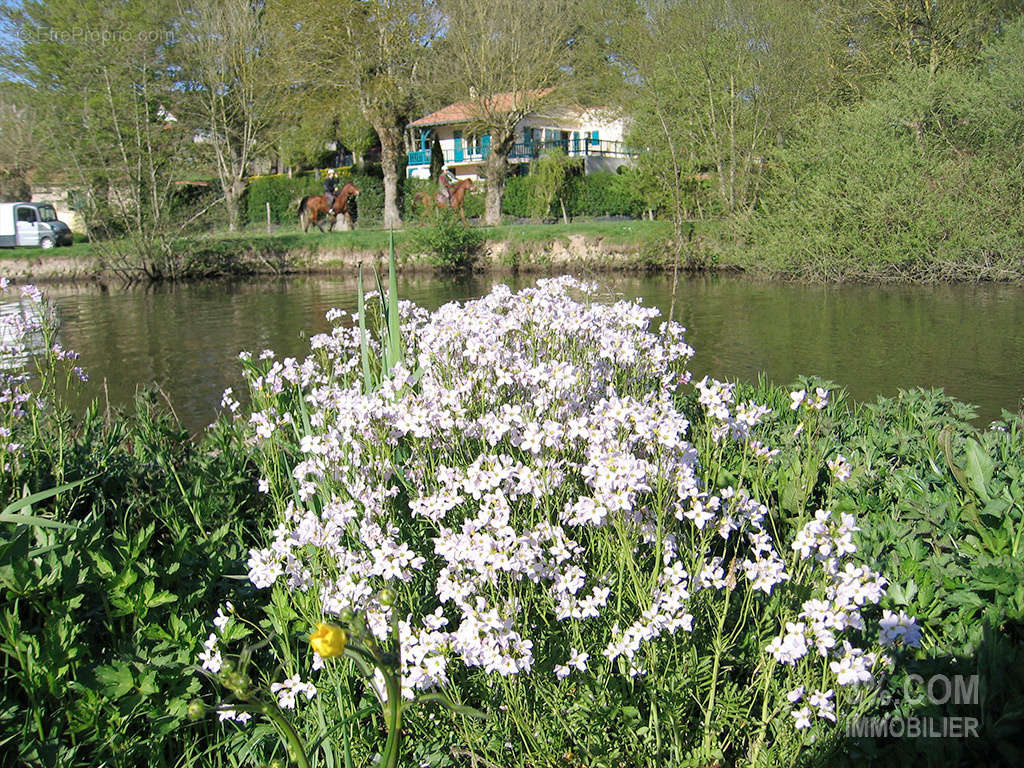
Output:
[[525, 151]]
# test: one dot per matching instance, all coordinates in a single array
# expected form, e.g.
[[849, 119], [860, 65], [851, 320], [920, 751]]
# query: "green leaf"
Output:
[[364, 349], [117, 681], [979, 469], [161, 598], [394, 329]]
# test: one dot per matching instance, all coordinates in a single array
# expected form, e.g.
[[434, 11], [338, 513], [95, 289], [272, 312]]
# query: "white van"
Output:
[[34, 224]]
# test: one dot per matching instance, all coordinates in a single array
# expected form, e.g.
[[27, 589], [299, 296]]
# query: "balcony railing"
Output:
[[531, 150]]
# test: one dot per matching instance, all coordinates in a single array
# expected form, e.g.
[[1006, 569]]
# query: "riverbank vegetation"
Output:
[[555, 529], [622, 245]]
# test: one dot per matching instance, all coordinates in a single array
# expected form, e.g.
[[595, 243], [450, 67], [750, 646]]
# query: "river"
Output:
[[968, 339]]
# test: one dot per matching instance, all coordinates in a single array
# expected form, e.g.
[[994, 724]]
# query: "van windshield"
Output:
[[46, 213]]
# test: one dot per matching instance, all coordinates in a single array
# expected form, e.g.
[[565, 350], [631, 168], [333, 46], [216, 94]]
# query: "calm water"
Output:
[[872, 340]]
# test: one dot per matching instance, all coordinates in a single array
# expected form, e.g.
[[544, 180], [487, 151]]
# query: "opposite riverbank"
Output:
[[598, 246]]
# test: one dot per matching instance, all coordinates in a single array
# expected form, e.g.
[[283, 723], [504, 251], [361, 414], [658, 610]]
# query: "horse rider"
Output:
[[331, 187], [447, 181]]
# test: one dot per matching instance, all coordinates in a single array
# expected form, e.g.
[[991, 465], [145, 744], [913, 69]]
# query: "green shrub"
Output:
[[283, 193], [598, 194], [604, 194], [516, 200], [370, 203], [450, 243], [921, 181], [106, 588]]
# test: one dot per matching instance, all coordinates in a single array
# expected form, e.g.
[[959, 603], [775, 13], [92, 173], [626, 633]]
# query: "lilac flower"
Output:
[[797, 398]]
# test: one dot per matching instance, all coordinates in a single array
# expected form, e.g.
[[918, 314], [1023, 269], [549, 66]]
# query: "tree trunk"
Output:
[[232, 201], [390, 134], [496, 172]]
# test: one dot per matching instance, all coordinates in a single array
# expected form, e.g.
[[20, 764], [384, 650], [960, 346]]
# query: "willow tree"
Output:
[[504, 59], [19, 144], [715, 85], [367, 52]]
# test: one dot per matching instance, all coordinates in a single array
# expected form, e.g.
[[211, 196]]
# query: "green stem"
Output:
[[714, 670], [289, 735], [393, 716]]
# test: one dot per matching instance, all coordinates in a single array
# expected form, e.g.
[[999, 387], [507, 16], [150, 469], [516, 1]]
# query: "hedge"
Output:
[[599, 194]]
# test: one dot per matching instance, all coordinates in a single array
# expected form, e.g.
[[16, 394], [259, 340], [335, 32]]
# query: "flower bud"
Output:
[[386, 597], [196, 710], [328, 640], [236, 682]]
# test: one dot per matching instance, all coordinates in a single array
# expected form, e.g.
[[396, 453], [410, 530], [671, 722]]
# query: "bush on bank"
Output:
[[922, 181], [119, 607]]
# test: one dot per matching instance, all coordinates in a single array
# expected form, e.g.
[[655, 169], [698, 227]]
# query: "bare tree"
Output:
[[228, 63], [504, 59]]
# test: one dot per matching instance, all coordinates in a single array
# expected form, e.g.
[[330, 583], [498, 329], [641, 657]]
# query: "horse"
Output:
[[432, 202], [313, 207]]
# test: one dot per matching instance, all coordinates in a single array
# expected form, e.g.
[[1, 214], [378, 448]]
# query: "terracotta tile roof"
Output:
[[464, 111]]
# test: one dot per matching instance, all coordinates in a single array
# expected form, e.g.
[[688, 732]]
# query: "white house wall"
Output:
[[472, 164]]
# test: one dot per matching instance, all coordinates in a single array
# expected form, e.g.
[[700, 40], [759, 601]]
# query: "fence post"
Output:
[[268, 217]]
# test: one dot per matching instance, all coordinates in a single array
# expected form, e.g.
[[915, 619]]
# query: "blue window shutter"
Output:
[[593, 139], [485, 146]]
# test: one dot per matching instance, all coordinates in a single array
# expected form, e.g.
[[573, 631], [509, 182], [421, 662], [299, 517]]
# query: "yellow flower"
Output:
[[328, 640]]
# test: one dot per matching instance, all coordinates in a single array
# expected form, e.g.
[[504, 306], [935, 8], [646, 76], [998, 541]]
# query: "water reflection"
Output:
[[872, 340]]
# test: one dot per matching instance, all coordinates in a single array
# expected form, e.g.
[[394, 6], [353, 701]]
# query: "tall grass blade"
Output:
[[364, 346], [394, 329], [10, 512]]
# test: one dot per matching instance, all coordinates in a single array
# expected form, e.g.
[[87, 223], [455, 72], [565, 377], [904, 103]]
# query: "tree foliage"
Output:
[[106, 94], [19, 143], [367, 52]]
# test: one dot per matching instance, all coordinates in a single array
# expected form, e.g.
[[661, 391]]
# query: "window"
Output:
[[46, 213], [27, 214]]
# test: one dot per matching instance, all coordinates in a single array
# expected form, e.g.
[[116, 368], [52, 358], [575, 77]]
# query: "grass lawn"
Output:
[[80, 249]]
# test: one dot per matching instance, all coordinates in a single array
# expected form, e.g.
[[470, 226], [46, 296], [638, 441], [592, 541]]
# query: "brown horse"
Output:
[[432, 202], [313, 207]]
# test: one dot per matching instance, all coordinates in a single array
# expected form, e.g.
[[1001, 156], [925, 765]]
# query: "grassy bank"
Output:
[[600, 245], [108, 589]]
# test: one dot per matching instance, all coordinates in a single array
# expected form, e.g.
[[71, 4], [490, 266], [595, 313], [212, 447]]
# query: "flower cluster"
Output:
[[529, 469]]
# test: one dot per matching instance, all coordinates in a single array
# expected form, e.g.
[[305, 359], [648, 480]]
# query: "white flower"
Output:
[[211, 658], [900, 628], [290, 689], [230, 714]]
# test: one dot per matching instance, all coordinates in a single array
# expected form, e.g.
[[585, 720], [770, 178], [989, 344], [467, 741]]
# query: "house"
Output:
[[584, 133]]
